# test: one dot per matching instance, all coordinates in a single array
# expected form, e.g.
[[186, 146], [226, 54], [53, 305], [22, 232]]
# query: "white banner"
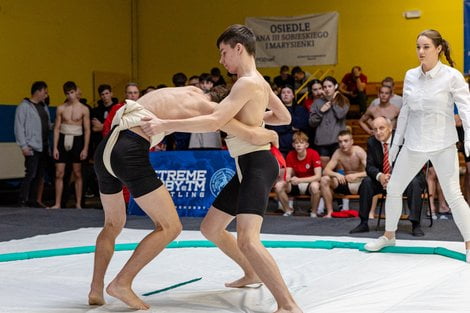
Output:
[[301, 40]]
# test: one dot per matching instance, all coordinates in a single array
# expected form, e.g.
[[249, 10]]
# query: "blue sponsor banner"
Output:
[[193, 178]]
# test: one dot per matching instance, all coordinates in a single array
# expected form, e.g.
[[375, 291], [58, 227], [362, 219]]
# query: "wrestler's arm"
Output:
[[363, 121], [86, 129], [253, 134], [331, 165], [223, 112], [278, 114], [57, 123]]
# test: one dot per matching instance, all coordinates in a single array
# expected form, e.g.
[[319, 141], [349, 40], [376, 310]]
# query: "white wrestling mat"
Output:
[[338, 280]]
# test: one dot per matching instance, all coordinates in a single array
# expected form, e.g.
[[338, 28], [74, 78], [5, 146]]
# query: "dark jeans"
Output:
[[360, 99], [35, 166], [370, 187]]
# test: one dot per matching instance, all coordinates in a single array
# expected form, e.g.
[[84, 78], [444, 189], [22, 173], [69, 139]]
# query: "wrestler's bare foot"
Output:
[[96, 297], [327, 216], [294, 309], [78, 206], [244, 282], [126, 295], [54, 207]]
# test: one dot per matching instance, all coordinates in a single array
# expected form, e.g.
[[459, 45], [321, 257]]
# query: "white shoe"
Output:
[[468, 256], [288, 213], [345, 206], [312, 215], [379, 244]]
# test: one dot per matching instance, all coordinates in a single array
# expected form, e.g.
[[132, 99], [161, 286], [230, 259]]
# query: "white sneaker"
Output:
[[288, 213], [468, 256], [312, 215], [345, 206], [380, 243]]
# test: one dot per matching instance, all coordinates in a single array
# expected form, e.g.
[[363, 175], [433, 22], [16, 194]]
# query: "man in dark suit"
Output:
[[378, 174]]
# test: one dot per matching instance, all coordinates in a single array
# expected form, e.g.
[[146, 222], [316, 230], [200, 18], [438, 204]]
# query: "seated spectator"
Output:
[[315, 91], [353, 86], [285, 78], [300, 77], [217, 77], [148, 89], [327, 116], [395, 99], [435, 191], [208, 140], [352, 160], [179, 79], [299, 120], [378, 174], [302, 176], [193, 81], [384, 109]]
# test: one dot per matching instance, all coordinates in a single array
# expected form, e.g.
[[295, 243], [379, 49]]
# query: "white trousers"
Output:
[[446, 164]]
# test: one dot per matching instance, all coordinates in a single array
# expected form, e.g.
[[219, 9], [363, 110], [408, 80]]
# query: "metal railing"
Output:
[[318, 74]]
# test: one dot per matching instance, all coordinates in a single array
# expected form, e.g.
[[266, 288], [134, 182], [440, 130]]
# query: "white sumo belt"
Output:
[[238, 147], [128, 116], [70, 132]]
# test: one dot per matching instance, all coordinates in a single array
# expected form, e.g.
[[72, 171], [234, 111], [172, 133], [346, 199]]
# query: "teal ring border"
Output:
[[318, 244]]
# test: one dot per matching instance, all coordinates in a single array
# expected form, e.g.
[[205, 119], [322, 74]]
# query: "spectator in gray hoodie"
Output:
[[32, 125], [328, 115]]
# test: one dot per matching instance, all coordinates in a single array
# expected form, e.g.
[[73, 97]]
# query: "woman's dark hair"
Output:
[[437, 40], [339, 99], [309, 86]]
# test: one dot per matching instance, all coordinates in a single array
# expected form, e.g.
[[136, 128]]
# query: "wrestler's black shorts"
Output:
[[259, 171], [130, 162], [343, 189], [73, 155]]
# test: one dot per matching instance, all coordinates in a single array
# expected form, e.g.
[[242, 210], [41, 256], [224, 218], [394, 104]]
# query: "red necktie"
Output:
[[386, 162]]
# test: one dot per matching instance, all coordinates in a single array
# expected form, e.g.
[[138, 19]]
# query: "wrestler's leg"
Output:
[[249, 242], [214, 228], [160, 208], [77, 171], [114, 219], [327, 185], [59, 184]]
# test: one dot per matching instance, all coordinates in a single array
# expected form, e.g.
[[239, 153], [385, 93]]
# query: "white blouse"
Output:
[[426, 121]]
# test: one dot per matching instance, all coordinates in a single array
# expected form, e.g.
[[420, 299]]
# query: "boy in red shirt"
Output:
[[303, 175]]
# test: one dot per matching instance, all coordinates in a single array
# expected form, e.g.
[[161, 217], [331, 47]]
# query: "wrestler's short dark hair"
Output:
[[70, 85], [104, 87], [239, 34], [38, 85]]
